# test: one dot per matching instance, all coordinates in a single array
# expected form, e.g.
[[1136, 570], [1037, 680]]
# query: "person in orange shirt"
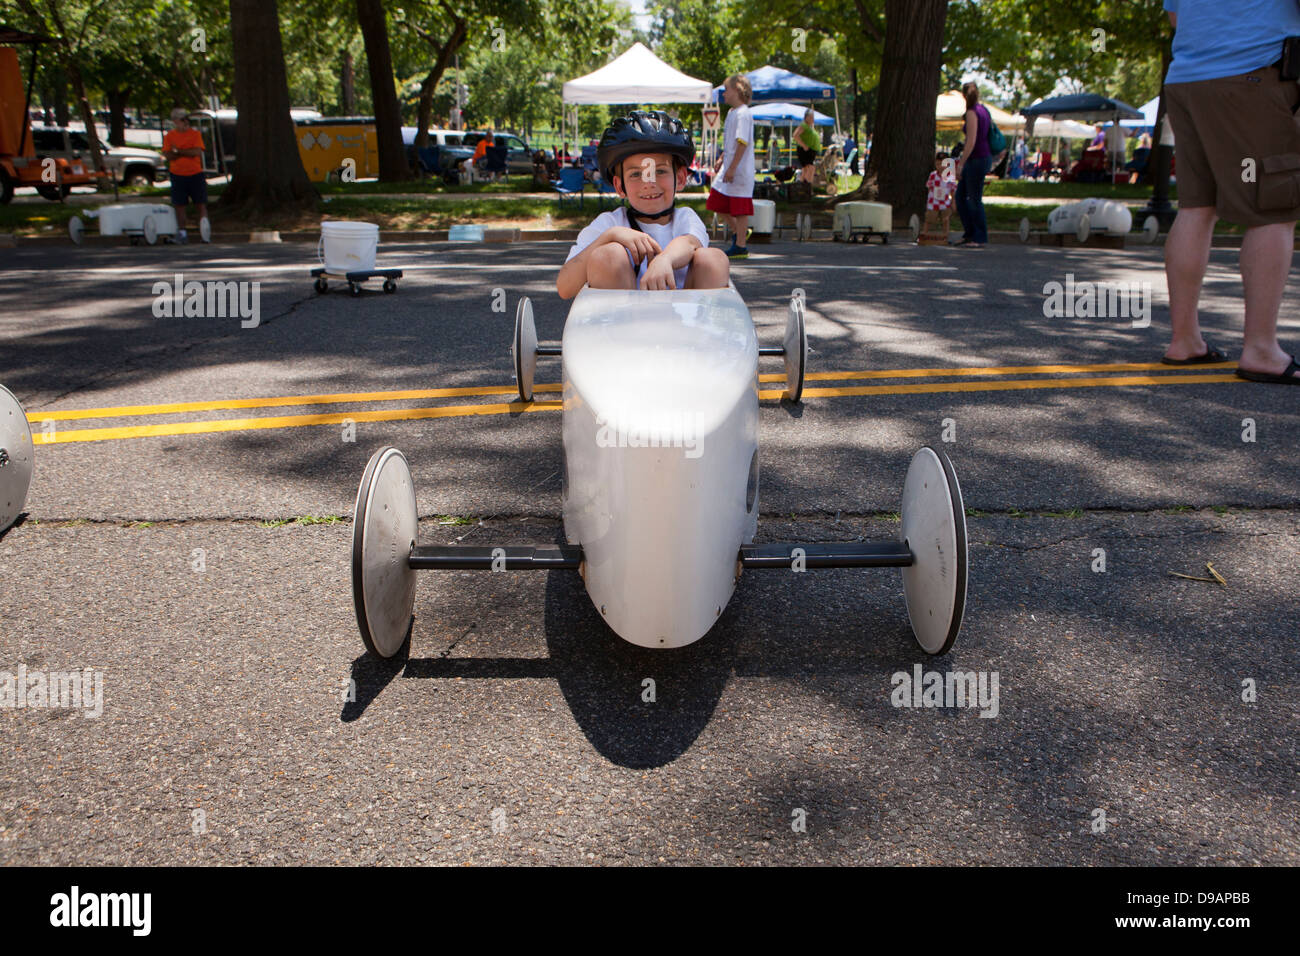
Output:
[[183, 149], [480, 154]]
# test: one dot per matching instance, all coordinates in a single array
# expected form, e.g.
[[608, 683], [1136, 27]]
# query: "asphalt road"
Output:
[[155, 550]]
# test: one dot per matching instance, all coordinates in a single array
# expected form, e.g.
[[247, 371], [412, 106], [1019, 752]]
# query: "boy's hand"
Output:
[[636, 242], [659, 274]]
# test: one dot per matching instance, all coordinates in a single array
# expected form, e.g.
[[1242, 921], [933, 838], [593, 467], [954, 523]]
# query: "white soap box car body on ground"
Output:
[[661, 481], [1101, 215], [660, 454], [147, 221]]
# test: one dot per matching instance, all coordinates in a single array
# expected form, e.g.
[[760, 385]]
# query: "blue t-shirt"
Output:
[[1215, 39]]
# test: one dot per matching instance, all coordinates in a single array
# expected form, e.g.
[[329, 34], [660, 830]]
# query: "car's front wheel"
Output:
[[137, 178]]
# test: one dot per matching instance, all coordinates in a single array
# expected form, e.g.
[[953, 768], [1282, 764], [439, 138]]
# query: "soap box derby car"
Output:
[[660, 497]]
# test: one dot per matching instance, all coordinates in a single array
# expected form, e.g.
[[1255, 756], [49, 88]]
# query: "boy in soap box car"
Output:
[[650, 242]]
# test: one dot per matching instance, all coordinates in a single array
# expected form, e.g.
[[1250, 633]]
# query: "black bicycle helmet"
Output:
[[642, 131]]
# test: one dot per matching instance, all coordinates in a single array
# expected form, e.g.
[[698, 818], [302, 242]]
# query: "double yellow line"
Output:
[[50, 434]]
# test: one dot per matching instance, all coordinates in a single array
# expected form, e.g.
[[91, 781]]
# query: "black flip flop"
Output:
[[1290, 375], [1211, 357]]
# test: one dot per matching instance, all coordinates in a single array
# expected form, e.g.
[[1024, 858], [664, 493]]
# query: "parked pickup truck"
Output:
[[129, 166], [519, 158]]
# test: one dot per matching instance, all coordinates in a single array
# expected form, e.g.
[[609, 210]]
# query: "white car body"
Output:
[[126, 218], [1104, 215], [661, 454]]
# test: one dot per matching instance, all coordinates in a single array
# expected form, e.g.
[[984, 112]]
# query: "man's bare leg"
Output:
[[1265, 263], [1187, 255]]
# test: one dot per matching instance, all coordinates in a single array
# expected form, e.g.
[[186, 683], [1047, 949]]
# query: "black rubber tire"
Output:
[[53, 191], [322, 284], [390, 286], [6, 188], [354, 288]]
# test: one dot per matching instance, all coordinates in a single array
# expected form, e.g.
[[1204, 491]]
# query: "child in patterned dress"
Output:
[[940, 187]]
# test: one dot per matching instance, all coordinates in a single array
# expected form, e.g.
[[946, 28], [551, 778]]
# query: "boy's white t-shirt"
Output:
[[739, 127], [684, 223]]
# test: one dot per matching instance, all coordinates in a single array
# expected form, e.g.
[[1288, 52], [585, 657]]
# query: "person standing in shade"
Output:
[[182, 147], [731, 195], [807, 144], [1232, 109], [974, 164]]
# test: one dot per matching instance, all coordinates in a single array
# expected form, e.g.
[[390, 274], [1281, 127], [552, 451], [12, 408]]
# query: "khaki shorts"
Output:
[[1238, 146]]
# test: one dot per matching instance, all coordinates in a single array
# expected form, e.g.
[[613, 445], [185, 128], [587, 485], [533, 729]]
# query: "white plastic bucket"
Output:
[[764, 215], [347, 246]]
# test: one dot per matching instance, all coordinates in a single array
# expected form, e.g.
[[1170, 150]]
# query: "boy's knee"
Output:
[[608, 262], [709, 257], [709, 269]]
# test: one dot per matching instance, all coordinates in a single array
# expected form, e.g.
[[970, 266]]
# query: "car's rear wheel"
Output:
[[53, 191]]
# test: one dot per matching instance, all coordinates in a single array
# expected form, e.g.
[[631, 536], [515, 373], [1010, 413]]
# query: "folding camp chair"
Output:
[[604, 189], [496, 161], [571, 183]]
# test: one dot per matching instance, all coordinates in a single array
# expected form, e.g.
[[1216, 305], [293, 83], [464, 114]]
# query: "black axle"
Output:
[[855, 554], [568, 557], [562, 557]]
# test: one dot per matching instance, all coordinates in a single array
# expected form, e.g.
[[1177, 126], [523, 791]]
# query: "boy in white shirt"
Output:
[[649, 243], [731, 194]]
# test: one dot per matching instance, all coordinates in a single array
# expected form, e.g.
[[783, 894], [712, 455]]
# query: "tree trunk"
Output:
[[348, 86], [268, 169], [430, 85], [117, 115], [73, 72], [902, 151], [393, 166]]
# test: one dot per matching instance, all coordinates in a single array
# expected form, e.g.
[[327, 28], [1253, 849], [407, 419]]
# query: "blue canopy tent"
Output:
[[771, 84], [787, 114], [1083, 107]]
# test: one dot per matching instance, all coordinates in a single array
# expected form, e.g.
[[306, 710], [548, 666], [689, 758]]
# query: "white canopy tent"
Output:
[[637, 76], [1062, 129]]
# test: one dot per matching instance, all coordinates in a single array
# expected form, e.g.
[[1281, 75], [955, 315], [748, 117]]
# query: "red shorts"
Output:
[[729, 205]]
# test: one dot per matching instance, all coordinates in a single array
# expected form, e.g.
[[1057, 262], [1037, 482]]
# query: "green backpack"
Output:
[[997, 142]]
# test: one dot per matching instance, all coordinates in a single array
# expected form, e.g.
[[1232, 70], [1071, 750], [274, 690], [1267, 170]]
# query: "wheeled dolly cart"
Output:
[[355, 279]]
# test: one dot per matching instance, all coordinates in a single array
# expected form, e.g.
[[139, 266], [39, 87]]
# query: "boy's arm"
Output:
[[678, 253], [741, 146], [573, 274]]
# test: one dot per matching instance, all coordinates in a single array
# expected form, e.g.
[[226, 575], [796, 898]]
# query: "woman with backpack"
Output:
[[983, 141]]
